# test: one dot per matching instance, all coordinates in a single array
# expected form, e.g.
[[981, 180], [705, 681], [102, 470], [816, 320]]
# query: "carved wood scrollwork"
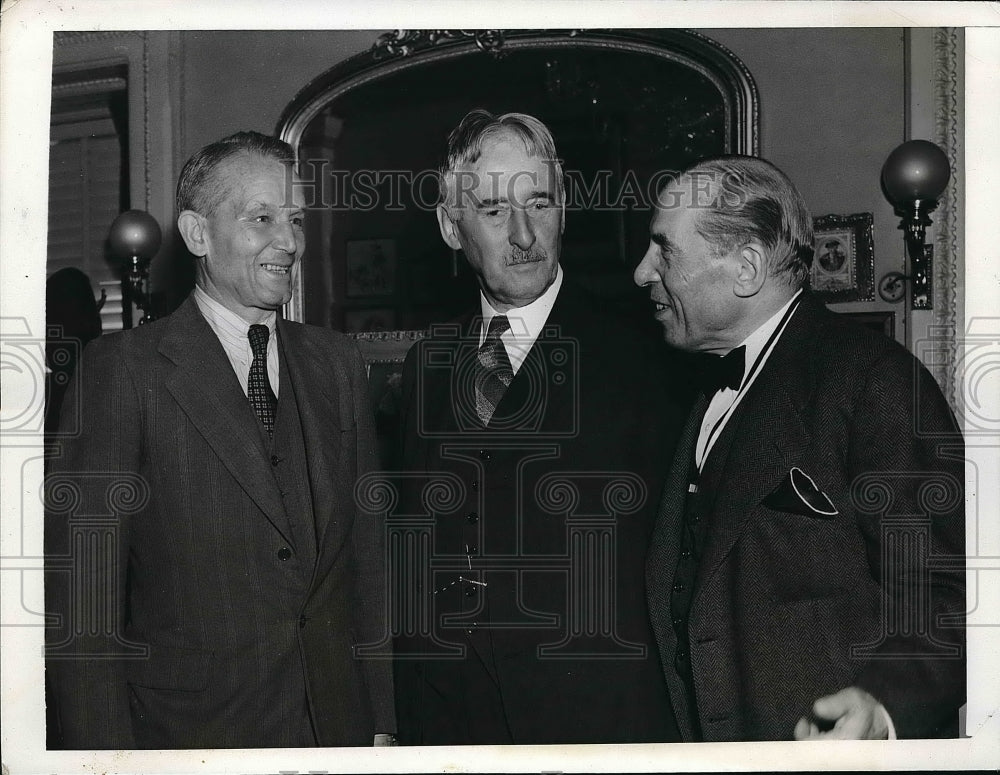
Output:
[[949, 264], [622, 101]]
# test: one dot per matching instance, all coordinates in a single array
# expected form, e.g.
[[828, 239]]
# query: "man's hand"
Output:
[[854, 714]]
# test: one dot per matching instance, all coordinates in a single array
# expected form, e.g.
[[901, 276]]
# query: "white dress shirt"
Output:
[[232, 331], [526, 322], [723, 404]]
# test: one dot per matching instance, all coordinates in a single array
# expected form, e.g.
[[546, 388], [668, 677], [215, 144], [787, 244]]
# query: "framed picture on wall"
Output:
[[371, 268], [843, 267]]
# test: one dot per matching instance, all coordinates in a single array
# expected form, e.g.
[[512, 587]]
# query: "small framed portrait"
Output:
[[843, 266], [371, 268]]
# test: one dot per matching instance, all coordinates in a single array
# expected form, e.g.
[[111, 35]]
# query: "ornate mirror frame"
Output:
[[405, 49]]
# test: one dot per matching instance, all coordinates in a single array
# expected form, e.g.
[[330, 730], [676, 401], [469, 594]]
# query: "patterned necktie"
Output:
[[262, 398], [494, 372]]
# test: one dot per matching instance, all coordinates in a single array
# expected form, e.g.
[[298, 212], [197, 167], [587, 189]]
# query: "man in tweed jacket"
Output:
[[805, 576]]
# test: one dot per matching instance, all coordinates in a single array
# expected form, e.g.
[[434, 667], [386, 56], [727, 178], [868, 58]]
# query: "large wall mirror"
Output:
[[623, 107]]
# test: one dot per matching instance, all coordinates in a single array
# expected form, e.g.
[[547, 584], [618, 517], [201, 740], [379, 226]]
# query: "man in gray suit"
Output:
[[208, 569]]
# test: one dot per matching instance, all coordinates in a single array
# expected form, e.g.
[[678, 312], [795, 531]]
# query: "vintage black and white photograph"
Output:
[[496, 388], [843, 258]]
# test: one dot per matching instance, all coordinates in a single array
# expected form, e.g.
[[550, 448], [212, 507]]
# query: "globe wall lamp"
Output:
[[914, 175], [134, 239]]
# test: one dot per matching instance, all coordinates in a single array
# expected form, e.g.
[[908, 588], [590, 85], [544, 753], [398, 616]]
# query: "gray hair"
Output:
[[199, 187], [751, 199], [465, 144]]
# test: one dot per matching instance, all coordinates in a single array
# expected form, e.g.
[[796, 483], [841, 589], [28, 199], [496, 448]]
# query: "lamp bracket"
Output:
[[137, 282], [914, 220], [921, 263], [892, 286]]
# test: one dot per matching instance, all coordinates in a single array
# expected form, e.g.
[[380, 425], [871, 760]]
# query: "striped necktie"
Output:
[[494, 372], [259, 391]]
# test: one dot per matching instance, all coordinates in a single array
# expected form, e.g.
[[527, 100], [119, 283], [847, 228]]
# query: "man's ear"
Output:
[[194, 231], [751, 270], [449, 231]]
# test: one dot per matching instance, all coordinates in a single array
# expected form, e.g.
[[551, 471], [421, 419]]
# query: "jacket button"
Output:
[[472, 518], [275, 460], [284, 553], [475, 484]]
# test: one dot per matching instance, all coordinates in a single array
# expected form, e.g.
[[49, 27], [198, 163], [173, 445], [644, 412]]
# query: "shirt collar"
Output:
[[756, 342], [226, 323], [526, 322]]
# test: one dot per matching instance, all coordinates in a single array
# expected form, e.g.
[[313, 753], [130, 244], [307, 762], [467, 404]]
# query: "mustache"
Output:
[[518, 255]]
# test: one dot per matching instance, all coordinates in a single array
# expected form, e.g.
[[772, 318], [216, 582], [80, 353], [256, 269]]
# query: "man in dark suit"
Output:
[[207, 565], [805, 576], [530, 453]]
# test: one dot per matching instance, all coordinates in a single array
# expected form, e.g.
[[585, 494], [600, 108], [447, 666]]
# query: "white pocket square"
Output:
[[798, 494]]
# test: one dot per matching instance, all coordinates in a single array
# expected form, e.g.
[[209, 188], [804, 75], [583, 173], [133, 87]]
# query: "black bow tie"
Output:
[[715, 372]]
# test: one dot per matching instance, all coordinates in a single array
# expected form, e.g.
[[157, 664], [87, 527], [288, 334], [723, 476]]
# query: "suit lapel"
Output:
[[661, 561], [762, 441], [535, 379], [529, 399], [289, 444], [206, 388], [537, 395], [311, 375], [444, 396]]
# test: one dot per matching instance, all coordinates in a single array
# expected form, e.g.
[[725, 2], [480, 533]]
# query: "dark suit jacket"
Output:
[[208, 612], [788, 607], [553, 511]]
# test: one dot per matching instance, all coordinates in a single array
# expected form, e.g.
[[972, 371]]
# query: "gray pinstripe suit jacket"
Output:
[[196, 606]]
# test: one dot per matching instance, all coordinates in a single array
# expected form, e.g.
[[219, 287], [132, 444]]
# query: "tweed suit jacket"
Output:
[[513, 661], [219, 614], [790, 605]]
